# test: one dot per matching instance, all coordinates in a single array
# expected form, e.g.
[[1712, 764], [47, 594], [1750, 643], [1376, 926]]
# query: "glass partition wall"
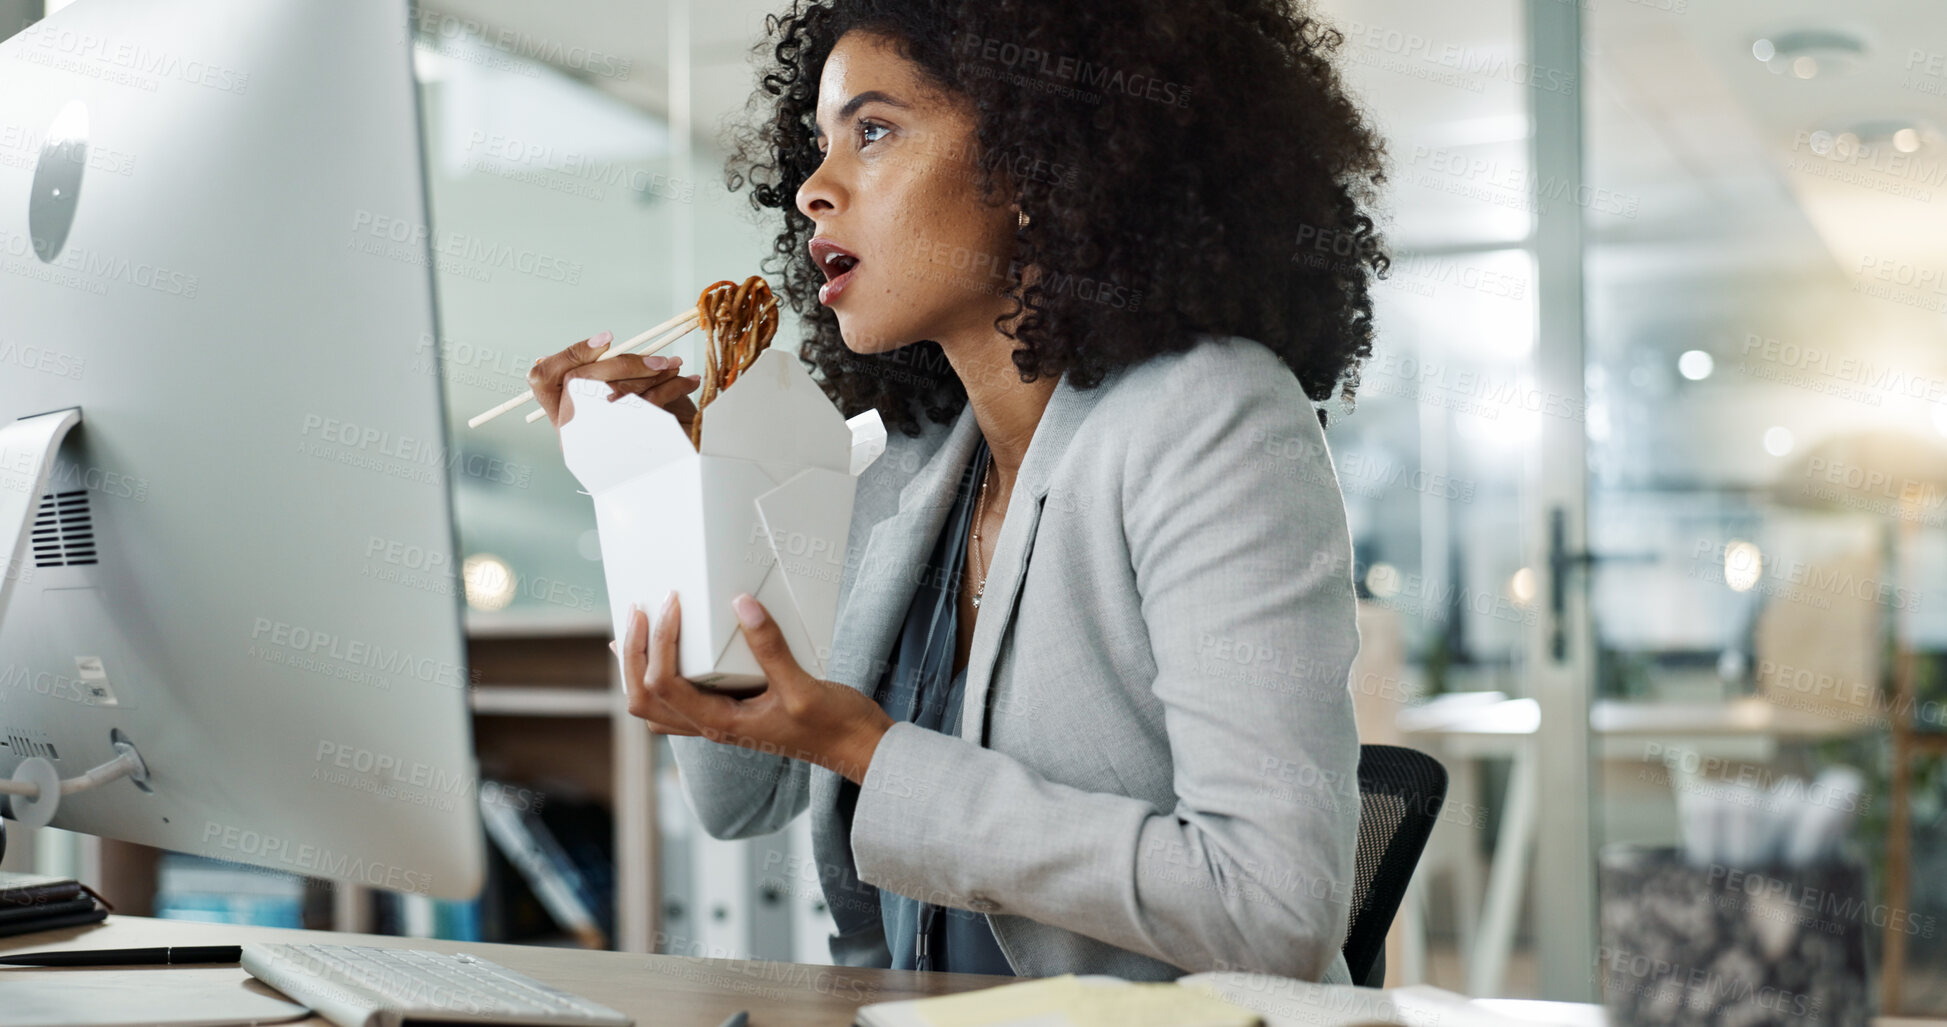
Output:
[[1645, 476]]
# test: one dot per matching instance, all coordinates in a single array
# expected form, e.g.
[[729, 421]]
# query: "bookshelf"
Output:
[[548, 703]]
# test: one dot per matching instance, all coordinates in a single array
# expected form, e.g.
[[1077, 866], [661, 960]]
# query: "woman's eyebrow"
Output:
[[851, 107]]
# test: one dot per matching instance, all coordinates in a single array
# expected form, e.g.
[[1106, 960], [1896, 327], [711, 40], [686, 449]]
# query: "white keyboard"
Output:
[[364, 986]]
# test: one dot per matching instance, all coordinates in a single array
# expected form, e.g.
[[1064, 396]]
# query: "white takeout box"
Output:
[[764, 507]]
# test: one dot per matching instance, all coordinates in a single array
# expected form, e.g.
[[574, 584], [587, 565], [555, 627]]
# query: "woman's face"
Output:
[[896, 191]]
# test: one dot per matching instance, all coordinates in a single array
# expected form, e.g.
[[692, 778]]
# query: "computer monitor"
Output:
[[214, 261]]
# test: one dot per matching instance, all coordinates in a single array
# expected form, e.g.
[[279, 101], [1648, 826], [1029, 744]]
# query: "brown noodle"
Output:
[[738, 322]]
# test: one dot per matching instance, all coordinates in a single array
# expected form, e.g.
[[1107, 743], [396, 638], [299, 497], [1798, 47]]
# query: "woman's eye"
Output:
[[869, 126]]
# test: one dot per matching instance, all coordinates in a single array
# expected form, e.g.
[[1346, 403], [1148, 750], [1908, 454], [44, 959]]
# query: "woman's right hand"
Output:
[[655, 379]]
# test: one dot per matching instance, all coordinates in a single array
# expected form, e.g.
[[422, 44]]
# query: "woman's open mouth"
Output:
[[839, 265]]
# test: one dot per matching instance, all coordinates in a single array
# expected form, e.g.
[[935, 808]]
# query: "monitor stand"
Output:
[[30, 446], [119, 997]]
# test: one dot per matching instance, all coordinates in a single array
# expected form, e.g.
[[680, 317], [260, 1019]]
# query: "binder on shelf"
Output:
[[557, 882]]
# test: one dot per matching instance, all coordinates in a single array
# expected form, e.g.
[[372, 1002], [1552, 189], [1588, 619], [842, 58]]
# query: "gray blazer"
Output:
[[1156, 770]]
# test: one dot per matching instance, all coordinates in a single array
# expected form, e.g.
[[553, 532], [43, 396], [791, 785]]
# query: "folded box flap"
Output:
[[775, 413], [805, 521], [868, 440], [605, 444]]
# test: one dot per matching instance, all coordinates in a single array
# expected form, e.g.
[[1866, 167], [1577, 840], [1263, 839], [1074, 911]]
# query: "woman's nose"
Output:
[[818, 194]]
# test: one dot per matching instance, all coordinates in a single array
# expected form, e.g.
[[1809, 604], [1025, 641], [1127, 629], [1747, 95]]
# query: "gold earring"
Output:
[[1021, 219]]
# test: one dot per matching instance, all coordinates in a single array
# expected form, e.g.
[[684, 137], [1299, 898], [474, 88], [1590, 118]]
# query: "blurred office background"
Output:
[[1648, 478]]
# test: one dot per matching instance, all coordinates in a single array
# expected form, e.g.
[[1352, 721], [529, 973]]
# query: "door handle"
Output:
[[1560, 562]]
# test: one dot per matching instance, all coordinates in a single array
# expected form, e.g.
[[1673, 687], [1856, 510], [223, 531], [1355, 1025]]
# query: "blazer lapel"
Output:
[[895, 550], [897, 547], [1064, 413]]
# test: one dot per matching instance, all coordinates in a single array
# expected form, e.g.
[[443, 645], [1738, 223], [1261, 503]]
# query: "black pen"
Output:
[[128, 957]]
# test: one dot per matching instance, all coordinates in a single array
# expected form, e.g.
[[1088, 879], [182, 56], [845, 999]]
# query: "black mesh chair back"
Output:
[[1400, 794]]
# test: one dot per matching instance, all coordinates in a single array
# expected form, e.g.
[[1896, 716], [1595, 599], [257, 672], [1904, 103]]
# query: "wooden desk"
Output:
[[677, 991], [656, 990]]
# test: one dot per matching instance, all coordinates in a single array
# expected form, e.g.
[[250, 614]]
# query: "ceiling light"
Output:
[[1695, 365], [1778, 440], [489, 582], [1743, 565], [1522, 586]]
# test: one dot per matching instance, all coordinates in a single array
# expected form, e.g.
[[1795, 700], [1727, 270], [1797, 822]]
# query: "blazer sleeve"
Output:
[[737, 792], [1237, 535]]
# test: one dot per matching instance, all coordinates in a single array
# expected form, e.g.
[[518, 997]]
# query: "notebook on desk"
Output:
[[1198, 1000], [37, 902], [1065, 1001], [18, 890]]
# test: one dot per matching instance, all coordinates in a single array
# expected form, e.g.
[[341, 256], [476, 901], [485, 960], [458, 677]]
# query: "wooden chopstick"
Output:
[[682, 330], [767, 308], [679, 320]]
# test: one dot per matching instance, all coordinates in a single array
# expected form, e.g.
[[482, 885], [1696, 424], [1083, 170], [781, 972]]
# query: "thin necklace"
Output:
[[980, 509]]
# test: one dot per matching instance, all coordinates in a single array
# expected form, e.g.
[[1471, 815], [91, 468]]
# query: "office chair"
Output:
[[1400, 794]]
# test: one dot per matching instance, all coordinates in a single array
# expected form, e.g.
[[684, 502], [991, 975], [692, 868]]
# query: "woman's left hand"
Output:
[[823, 722]]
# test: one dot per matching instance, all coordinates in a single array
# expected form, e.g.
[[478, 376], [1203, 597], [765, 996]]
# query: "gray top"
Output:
[[917, 689]]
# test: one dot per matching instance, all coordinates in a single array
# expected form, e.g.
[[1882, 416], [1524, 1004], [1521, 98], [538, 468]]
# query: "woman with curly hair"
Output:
[[1088, 708]]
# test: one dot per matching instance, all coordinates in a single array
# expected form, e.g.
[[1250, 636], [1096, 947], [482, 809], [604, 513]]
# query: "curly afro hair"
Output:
[[1188, 167]]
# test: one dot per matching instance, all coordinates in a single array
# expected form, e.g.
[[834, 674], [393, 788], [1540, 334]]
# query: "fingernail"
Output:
[[634, 608], [669, 602], [749, 614], [612, 648], [602, 338], [656, 363]]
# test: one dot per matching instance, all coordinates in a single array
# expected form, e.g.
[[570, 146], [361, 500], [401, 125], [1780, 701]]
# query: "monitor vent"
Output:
[[25, 747], [64, 533]]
